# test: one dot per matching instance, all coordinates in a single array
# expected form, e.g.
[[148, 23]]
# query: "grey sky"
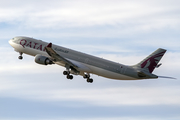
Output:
[[121, 31]]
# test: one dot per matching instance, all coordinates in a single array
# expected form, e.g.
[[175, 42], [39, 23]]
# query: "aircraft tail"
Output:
[[151, 62]]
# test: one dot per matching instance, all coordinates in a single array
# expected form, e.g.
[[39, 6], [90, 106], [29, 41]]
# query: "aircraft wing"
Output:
[[57, 57]]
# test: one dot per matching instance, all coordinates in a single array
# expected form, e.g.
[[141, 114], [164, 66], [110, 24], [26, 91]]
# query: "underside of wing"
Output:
[[58, 58], [72, 67]]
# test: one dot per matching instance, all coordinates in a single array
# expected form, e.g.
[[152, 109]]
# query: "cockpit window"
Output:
[[14, 39]]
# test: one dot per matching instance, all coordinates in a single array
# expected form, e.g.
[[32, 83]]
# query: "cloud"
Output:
[[54, 87], [103, 118], [28, 80], [121, 31], [139, 15]]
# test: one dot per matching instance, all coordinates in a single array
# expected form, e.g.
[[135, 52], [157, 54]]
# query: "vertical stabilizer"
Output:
[[150, 62]]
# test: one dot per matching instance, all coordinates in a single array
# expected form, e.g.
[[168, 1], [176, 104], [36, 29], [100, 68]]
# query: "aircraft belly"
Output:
[[109, 74], [81, 66]]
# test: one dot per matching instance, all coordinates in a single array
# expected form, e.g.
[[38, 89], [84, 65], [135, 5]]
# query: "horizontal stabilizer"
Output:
[[166, 77], [158, 65]]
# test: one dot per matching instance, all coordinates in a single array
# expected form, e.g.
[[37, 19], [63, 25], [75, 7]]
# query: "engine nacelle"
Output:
[[43, 60]]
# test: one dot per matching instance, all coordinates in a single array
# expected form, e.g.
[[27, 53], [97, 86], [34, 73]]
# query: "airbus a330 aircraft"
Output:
[[78, 63]]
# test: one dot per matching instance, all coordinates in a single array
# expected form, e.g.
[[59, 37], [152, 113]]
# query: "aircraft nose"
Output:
[[10, 42]]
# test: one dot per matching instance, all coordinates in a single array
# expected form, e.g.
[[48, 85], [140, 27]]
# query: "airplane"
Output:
[[78, 63]]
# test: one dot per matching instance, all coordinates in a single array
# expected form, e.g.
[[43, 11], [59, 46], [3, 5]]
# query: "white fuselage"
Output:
[[86, 63]]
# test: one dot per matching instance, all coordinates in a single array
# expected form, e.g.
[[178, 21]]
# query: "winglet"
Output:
[[49, 45]]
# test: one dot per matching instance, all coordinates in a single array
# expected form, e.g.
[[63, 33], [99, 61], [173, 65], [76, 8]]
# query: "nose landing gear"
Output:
[[20, 57]]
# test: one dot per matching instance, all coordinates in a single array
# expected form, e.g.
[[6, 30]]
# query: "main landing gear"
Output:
[[87, 76], [68, 75], [20, 57]]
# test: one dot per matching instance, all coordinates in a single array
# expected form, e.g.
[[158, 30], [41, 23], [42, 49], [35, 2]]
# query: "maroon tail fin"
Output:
[[150, 62]]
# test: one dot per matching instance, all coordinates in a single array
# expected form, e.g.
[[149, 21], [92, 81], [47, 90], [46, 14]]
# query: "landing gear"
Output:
[[65, 72], [68, 75], [89, 80], [87, 76], [20, 57]]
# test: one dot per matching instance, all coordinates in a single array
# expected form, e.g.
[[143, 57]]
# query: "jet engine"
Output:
[[43, 60]]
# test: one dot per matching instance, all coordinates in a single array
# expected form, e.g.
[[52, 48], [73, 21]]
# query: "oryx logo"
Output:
[[152, 62]]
